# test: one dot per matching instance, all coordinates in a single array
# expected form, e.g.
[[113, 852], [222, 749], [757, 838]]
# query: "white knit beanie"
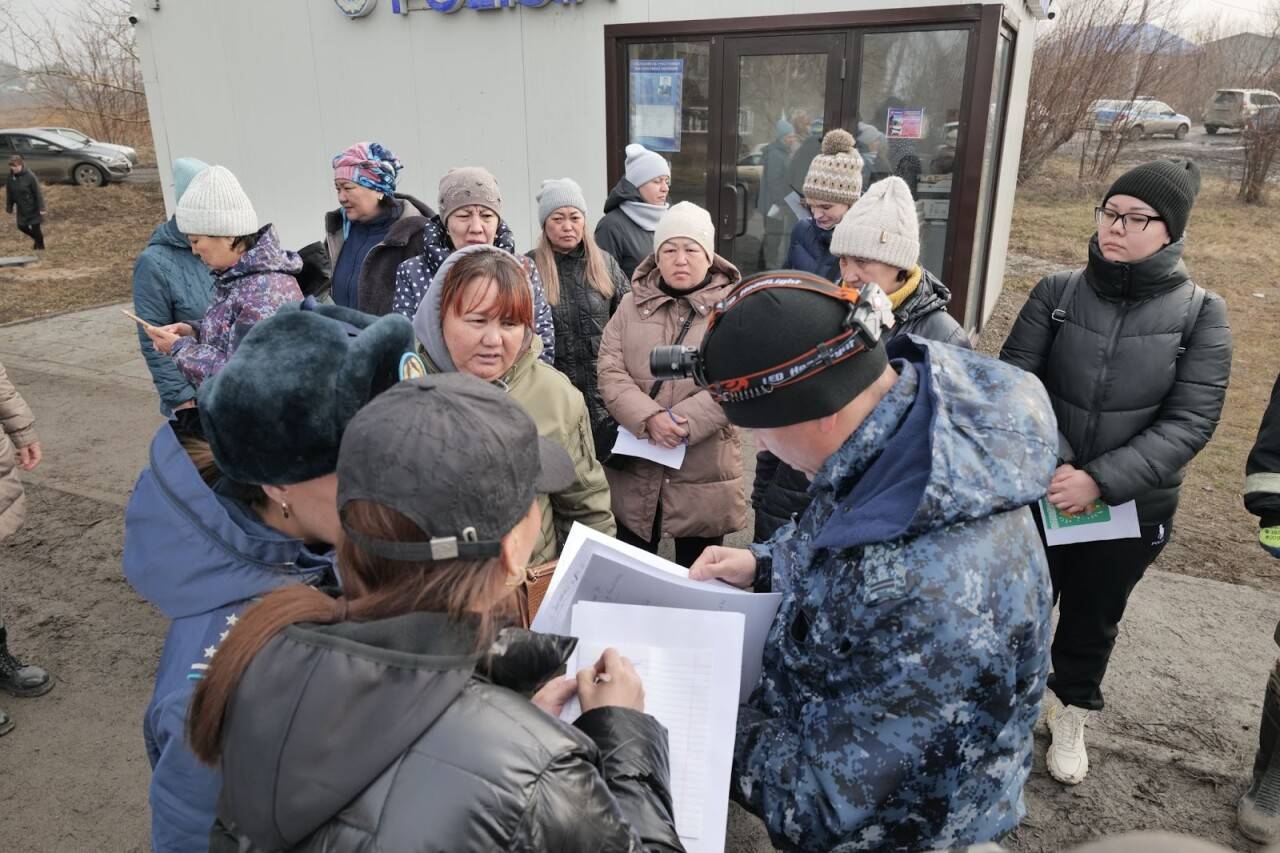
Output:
[[214, 205], [881, 226], [686, 219], [643, 165], [556, 194]]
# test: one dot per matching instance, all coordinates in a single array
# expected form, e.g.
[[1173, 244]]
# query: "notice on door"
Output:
[[904, 123], [657, 87]]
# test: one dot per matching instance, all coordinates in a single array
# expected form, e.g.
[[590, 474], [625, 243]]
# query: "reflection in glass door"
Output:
[[780, 92]]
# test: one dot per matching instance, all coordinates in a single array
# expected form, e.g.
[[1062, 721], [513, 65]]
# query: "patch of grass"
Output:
[[93, 235], [1234, 251]]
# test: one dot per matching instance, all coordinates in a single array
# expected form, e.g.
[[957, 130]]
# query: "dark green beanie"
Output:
[[276, 412], [1169, 186]]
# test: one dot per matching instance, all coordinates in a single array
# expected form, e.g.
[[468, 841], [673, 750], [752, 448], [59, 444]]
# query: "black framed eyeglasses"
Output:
[[1128, 221]]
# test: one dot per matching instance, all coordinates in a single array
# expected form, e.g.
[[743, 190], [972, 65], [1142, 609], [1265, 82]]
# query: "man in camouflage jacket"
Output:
[[903, 672]]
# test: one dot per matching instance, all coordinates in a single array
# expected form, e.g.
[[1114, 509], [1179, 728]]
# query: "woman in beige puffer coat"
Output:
[[19, 448], [703, 500]]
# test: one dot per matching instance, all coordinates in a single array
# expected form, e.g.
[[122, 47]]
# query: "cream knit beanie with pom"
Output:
[[881, 226], [214, 205], [835, 175]]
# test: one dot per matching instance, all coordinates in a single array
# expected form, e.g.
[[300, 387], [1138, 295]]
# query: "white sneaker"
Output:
[[1068, 762]]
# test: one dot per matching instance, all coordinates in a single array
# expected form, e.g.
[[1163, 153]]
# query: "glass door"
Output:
[[780, 94]]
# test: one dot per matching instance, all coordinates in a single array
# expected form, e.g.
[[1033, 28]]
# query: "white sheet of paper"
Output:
[[688, 661], [796, 203], [658, 120], [596, 567], [628, 445], [1121, 523]]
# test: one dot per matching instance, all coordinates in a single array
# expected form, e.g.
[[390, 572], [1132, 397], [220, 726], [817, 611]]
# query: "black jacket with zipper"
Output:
[[1131, 411], [780, 492], [395, 735], [1262, 470], [618, 234]]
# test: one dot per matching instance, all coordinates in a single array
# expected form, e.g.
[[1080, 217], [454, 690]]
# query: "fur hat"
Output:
[[275, 414], [881, 226], [686, 219], [215, 205], [644, 165], [468, 185], [835, 175], [556, 194]]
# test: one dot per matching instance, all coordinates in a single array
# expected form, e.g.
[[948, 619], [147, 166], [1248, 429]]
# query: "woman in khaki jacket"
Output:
[[19, 448], [477, 317], [703, 500]]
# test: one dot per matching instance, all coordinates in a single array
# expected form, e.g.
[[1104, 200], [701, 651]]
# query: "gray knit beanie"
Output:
[[556, 194], [644, 165], [881, 226], [468, 185]]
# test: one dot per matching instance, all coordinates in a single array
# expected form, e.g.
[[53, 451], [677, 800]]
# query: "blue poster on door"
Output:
[[657, 87]]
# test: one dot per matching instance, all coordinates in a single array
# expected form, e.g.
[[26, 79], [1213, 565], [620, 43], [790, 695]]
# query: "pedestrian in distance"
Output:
[[171, 285], [477, 318], [831, 186], [23, 194], [1135, 357], [403, 715], [238, 500], [373, 231], [774, 189], [903, 671], [254, 276], [470, 215], [672, 294], [633, 208], [584, 286], [19, 448]]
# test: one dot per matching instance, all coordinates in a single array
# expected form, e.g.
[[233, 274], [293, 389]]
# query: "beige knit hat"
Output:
[[468, 185], [881, 226], [215, 205], [686, 219], [835, 175]]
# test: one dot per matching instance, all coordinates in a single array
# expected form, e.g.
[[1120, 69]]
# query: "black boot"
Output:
[[1258, 813], [6, 723], [17, 677]]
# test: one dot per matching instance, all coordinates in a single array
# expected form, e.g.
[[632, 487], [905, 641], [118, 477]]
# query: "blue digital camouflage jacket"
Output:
[[904, 670]]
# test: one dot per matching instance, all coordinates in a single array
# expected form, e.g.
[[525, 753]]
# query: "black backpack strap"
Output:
[[684, 330], [1193, 314], [1059, 315]]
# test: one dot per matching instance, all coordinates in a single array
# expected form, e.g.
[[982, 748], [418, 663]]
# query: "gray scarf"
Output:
[[643, 214]]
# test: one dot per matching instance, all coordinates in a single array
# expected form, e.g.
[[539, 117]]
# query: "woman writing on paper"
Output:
[[672, 293], [395, 716], [1135, 357]]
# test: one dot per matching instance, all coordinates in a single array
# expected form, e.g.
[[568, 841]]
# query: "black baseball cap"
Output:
[[453, 454]]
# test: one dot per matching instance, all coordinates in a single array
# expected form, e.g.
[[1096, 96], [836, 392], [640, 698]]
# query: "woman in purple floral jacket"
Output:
[[253, 275]]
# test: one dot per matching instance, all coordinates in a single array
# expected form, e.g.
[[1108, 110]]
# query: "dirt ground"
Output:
[[1171, 752]]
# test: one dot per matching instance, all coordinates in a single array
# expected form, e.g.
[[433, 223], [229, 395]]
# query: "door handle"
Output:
[[740, 198]]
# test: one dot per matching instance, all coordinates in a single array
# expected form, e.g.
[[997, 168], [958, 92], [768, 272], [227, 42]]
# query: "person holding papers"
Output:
[[672, 293], [396, 716], [1135, 357], [477, 318], [903, 671]]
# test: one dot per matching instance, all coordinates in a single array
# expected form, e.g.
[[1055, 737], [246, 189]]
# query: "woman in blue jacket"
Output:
[[171, 285], [236, 502], [831, 186]]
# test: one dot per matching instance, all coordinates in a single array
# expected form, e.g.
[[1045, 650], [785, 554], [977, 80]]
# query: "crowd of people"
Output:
[[375, 442]]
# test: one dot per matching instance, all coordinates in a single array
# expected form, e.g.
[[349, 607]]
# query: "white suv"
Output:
[[1233, 108]]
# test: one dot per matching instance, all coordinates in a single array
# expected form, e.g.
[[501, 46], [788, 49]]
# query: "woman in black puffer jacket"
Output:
[[1135, 357], [584, 285]]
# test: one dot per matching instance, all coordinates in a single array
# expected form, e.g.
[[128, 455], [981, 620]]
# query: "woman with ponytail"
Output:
[[403, 715], [238, 501]]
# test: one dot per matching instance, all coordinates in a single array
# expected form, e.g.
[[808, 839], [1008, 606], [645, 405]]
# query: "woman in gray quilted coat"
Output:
[[1135, 357]]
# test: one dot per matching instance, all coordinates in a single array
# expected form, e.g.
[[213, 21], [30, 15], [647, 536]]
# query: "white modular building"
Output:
[[934, 92]]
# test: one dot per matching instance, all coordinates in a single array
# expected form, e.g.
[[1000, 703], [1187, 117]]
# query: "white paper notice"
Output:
[[657, 120], [690, 688], [1102, 522], [628, 445], [596, 567]]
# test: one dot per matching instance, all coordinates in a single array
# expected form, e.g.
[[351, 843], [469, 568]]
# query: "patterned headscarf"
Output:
[[369, 165]]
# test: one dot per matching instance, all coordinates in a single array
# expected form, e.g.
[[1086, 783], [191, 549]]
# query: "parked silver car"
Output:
[[55, 158], [1138, 118], [1232, 108], [130, 154]]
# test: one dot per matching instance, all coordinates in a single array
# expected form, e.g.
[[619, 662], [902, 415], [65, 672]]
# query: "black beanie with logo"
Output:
[[1169, 186]]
